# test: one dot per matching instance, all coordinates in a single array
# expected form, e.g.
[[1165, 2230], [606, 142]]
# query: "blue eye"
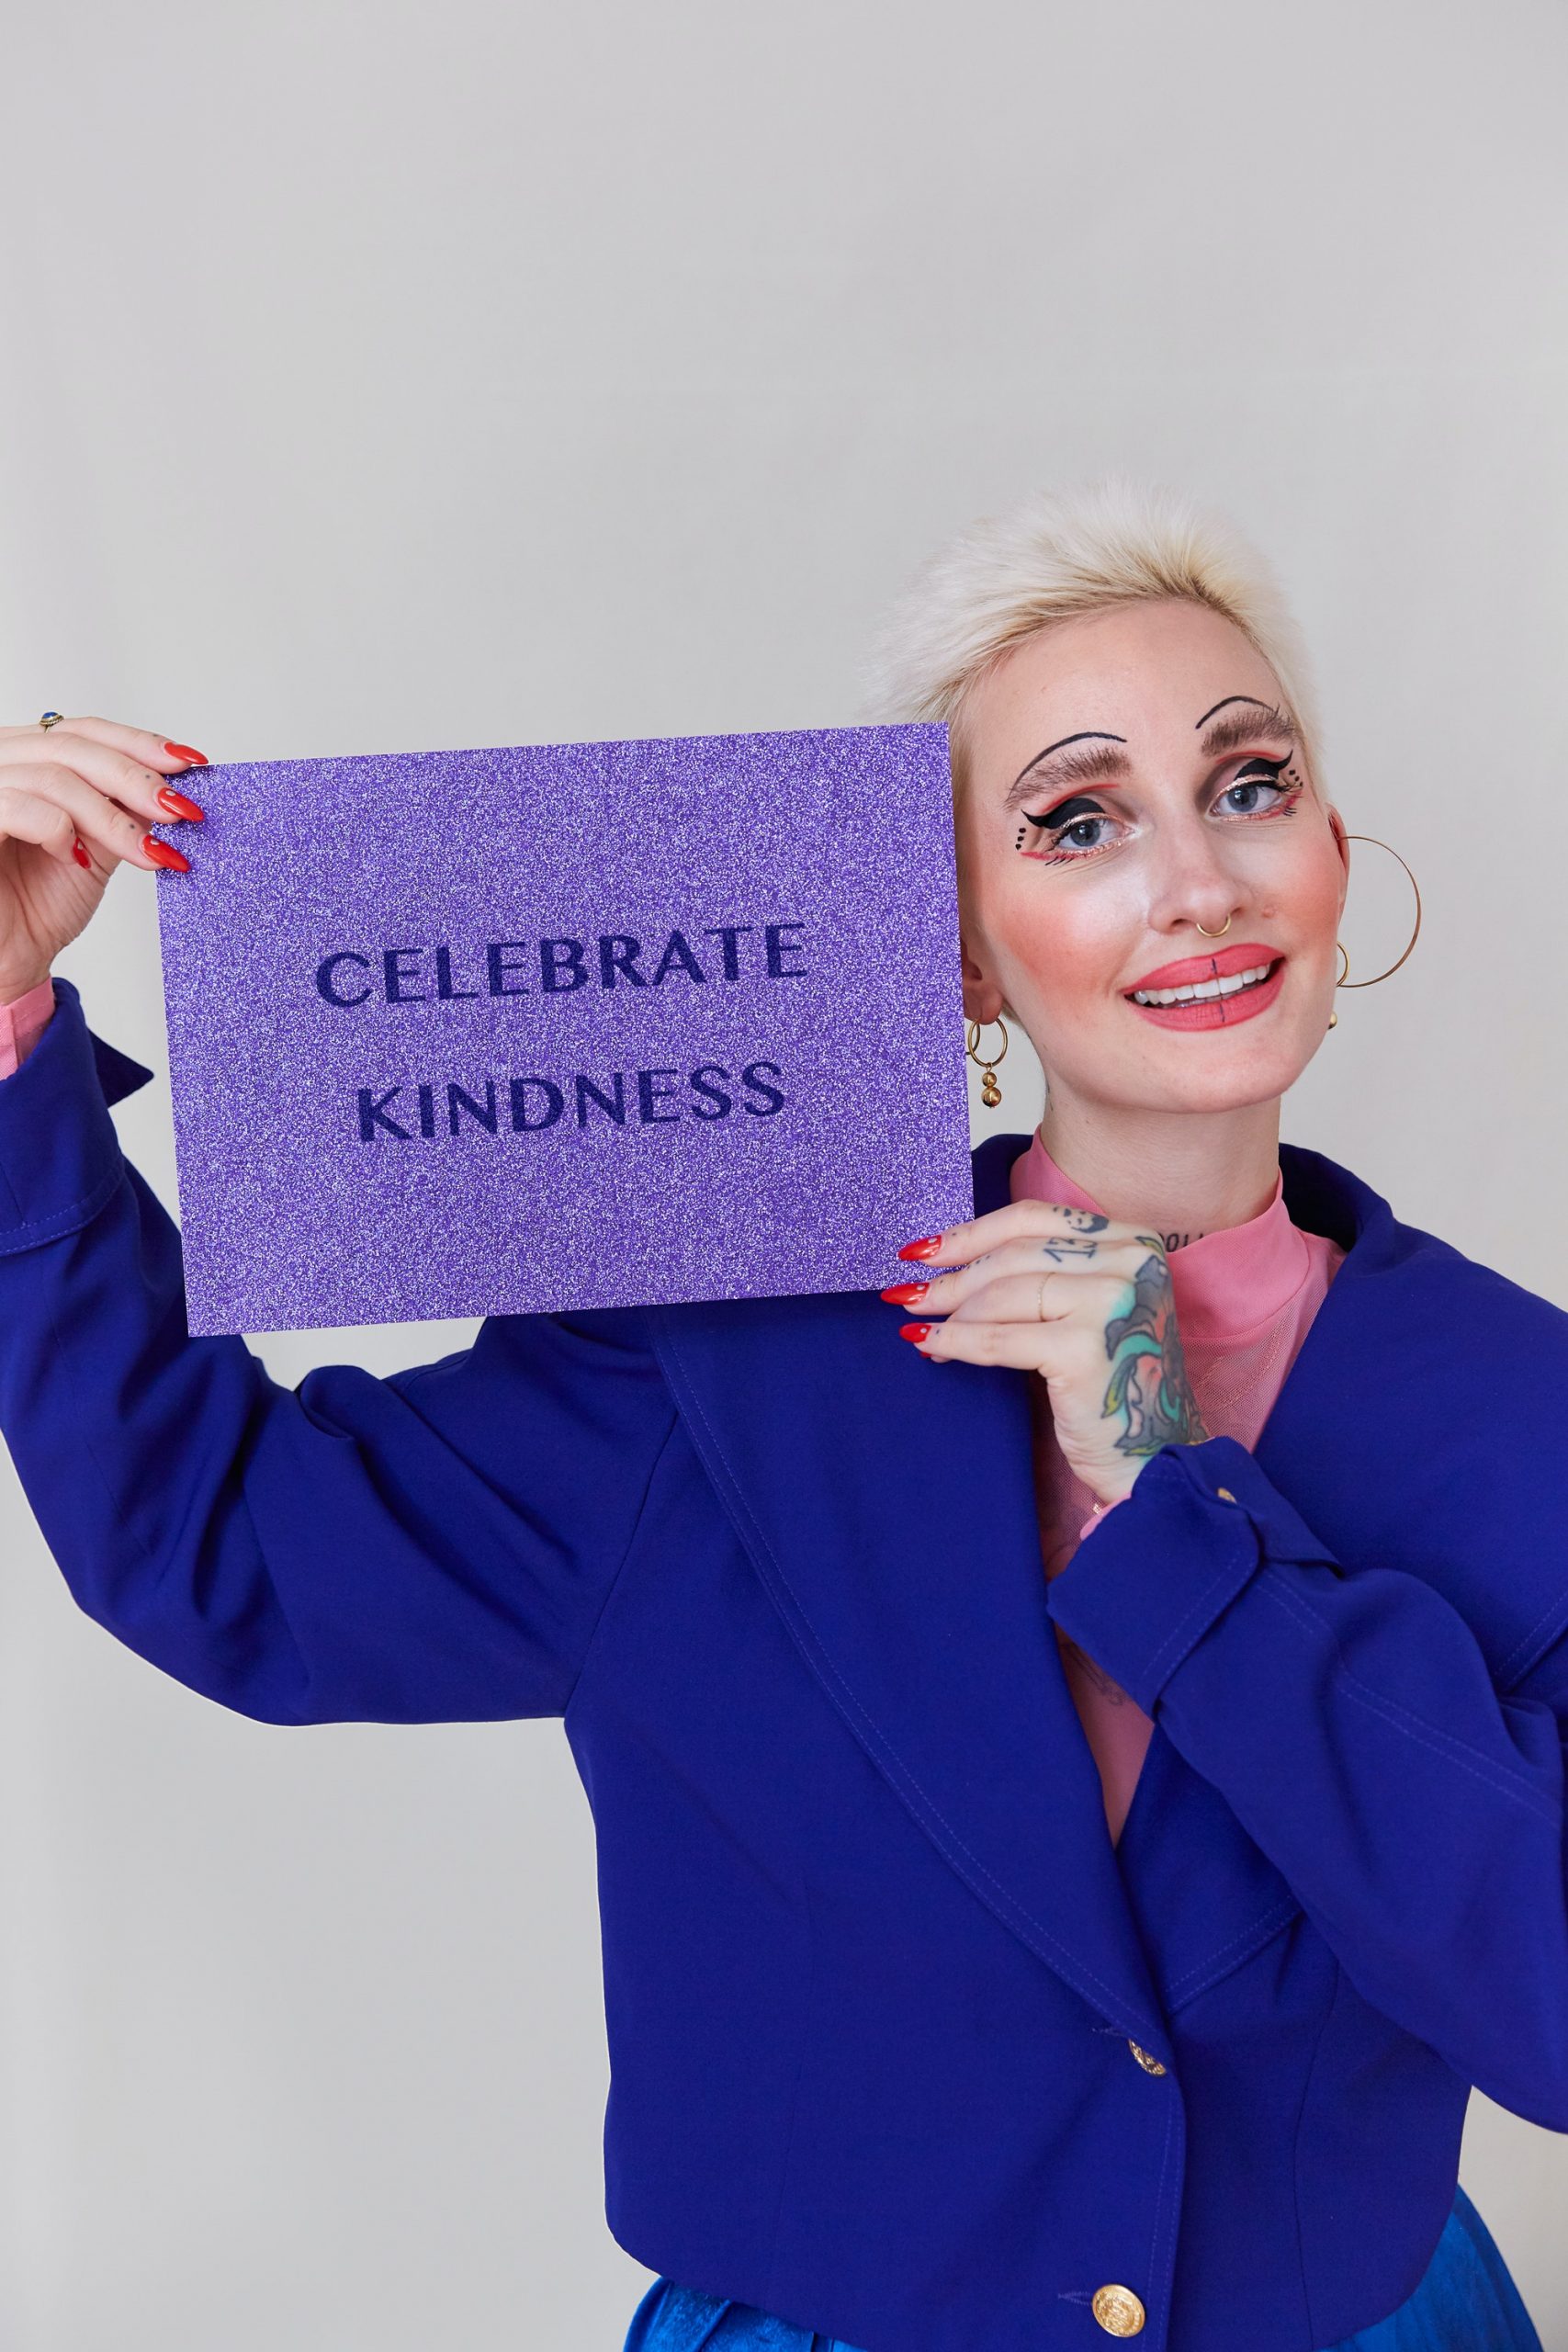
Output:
[[1268, 778], [1067, 823]]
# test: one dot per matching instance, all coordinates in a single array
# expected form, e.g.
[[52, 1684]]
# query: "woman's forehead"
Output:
[[1144, 662]]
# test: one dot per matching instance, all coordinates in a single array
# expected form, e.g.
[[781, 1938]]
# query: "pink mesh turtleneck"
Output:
[[22, 1025], [1245, 1297]]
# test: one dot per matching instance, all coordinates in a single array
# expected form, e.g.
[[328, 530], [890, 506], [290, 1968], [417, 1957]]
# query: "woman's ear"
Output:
[[983, 999], [1342, 843]]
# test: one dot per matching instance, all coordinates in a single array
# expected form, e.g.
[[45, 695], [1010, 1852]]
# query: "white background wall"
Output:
[[398, 377]]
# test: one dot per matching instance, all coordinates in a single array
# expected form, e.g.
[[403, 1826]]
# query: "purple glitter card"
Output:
[[564, 1026]]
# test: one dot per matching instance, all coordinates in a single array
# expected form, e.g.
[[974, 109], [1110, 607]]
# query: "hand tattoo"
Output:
[[1149, 1381]]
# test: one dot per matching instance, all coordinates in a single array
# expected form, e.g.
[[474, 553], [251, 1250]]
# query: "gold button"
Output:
[[1150, 2065], [1225, 1494], [1118, 2311]]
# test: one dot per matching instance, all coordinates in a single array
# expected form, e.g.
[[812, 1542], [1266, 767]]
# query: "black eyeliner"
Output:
[[1055, 816]]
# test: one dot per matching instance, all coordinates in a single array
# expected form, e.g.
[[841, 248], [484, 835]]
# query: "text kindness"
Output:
[[554, 966]]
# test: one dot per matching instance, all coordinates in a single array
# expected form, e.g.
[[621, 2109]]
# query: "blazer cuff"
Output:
[[1146, 1583], [59, 1156]]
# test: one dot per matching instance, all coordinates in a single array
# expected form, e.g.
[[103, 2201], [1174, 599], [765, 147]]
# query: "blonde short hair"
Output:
[[1056, 555]]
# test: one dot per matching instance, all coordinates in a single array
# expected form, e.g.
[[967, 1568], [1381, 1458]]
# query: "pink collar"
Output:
[[1225, 1284]]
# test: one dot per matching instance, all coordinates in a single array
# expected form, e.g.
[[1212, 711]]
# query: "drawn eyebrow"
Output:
[[1244, 726], [1257, 720], [1076, 767]]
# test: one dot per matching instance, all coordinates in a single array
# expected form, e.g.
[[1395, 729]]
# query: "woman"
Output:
[[1071, 1832]]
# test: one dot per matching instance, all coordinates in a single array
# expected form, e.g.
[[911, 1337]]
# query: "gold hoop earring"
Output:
[[990, 1092], [1345, 981], [1215, 934]]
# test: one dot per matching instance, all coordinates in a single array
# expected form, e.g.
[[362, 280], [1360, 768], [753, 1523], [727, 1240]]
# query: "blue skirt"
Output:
[[1466, 2302]]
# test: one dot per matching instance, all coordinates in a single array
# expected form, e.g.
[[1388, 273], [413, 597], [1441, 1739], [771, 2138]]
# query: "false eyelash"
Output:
[[1291, 789]]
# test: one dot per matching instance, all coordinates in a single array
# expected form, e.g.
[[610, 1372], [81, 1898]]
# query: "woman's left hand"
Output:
[[1084, 1301]]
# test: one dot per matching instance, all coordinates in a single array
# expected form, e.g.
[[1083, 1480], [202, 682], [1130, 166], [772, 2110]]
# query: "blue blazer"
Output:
[[903, 2050]]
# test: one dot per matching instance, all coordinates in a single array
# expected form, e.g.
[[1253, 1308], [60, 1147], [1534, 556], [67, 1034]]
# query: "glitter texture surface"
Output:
[[610, 1024]]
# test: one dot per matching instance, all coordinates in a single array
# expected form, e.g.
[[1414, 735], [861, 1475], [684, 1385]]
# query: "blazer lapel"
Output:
[[887, 1505]]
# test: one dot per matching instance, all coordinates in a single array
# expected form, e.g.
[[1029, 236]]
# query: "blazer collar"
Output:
[[887, 1506]]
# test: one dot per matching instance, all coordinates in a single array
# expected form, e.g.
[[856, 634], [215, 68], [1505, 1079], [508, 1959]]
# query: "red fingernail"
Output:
[[906, 1294], [176, 804], [916, 1331], [926, 1248], [164, 854], [78, 853], [183, 751]]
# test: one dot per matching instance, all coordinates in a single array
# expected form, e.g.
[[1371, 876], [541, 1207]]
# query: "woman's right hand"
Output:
[[76, 800]]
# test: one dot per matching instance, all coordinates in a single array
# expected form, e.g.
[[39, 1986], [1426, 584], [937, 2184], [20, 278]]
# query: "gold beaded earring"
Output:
[[991, 1091]]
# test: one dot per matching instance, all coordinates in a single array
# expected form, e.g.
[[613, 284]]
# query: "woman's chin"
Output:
[[1202, 1070]]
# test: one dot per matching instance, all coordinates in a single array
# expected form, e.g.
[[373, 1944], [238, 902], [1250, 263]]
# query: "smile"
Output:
[[1214, 1003], [1197, 988]]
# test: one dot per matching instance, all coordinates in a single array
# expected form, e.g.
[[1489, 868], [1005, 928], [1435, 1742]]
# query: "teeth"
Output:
[[1195, 992]]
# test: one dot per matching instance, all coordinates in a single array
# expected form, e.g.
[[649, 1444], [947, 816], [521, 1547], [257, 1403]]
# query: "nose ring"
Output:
[[1216, 935]]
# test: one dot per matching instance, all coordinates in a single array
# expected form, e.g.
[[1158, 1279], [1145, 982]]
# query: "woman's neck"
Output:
[[1180, 1172]]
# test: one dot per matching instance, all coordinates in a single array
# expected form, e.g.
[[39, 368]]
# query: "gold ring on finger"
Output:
[[51, 719], [1043, 1279]]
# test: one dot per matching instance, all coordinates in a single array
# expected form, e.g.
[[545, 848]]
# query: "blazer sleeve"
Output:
[[1349, 1720], [435, 1546]]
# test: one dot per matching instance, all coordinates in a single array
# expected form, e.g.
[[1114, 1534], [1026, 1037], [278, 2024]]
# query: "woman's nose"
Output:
[[1195, 886], [1203, 898], [1216, 918]]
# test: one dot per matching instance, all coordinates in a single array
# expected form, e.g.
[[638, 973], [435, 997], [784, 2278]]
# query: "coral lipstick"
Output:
[[1255, 969], [1239, 955]]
